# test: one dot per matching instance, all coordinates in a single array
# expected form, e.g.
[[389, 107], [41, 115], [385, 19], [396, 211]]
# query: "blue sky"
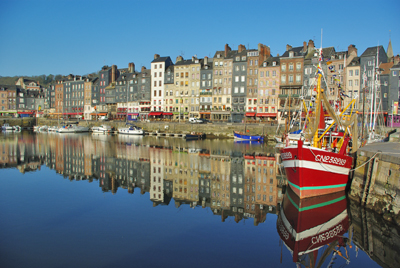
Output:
[[79, 37]]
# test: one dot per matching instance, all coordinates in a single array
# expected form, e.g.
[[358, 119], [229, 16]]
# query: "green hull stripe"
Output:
[[316, 187], [317, 205]]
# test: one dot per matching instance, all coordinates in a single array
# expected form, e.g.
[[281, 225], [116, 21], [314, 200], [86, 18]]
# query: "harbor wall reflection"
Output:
[[232, 183]]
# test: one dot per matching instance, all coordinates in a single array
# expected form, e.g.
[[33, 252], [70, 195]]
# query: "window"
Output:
[[283, 67], [298, 66], [298, 78], [290, 66], [356, 82], [283, 78], [350, 72], [350, 83], [356, 72], [290, 78]]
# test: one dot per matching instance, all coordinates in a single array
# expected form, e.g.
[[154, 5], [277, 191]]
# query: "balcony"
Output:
[[206, 93]]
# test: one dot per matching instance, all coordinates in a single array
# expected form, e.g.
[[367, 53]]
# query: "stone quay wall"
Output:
[[213, 130], [376, 185]]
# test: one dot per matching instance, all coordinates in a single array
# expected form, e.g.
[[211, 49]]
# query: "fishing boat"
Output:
[[131, 130], [103, 129], [323, 166], [307, 225], [241, 136]]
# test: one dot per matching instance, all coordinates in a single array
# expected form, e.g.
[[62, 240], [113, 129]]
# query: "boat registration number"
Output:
[[330, 159]]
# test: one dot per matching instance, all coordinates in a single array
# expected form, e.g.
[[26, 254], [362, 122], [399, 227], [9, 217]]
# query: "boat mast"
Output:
[[376, 72]]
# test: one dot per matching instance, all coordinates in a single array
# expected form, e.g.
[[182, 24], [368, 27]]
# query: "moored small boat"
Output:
[[101, 129], [241, 136], [131, 130], [195, 136]]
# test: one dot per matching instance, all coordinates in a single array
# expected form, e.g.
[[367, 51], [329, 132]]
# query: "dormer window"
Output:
[[291, 54], [218, 56], [264, 64], [274, 63]]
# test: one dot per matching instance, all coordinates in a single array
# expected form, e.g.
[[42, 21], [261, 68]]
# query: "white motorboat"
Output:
[[43, 128], [7, 127], [101, 129], [131, 130], [36, 128], [72, 128], [52, 129]]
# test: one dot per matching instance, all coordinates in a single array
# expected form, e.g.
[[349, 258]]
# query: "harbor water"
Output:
[[95, 200]]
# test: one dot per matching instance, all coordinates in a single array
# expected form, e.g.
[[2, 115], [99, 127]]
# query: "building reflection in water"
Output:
[[233, 183]]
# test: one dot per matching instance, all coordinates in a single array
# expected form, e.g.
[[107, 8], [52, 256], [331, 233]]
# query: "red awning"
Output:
[[250, 114], [167, 113], [31, 112], [73, 113], [155, 113], [266, 114]]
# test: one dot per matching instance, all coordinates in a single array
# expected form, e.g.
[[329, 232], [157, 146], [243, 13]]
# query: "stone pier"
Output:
[[376, 179]]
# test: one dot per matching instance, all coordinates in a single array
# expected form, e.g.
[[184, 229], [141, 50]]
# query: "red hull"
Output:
[[305, 225], [311, 171]]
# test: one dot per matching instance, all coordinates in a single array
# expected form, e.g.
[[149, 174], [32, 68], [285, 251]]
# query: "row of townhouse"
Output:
[[232, 86]]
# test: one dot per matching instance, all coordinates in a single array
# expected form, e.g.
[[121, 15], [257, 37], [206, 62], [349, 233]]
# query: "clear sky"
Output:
[[80, 36]]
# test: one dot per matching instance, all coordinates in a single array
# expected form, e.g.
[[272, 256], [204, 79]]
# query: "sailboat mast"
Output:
[[371, 100], [376, 83]]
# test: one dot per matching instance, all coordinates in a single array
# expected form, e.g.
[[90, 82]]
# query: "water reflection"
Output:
[[307, 225], [236, 181], [224, 178]]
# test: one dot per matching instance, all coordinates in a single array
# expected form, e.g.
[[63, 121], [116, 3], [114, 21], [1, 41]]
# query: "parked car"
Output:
[[204, 121], [194, 120], [103, 118]]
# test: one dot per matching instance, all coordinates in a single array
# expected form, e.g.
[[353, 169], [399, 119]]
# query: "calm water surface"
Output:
[[114, 201]]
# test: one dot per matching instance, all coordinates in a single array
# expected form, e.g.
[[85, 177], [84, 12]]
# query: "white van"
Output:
[[194, 120], [103, 118]]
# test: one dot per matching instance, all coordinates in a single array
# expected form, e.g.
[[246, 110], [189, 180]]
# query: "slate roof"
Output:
[[298, 51], [10, 87], [161, 59], [270, 60], [184, 62], [355, 62], [371, 51]]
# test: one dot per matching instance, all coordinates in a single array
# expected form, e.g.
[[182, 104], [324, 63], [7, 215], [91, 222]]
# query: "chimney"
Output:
[[304, 46], [352, 49], [288, 47], [156, 56], [227, 49], [113, 73], [193, 58], [310, 46], [205, 60], [241, 48], [179, 58], [143, 68], [131, 67], [264, 52]]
